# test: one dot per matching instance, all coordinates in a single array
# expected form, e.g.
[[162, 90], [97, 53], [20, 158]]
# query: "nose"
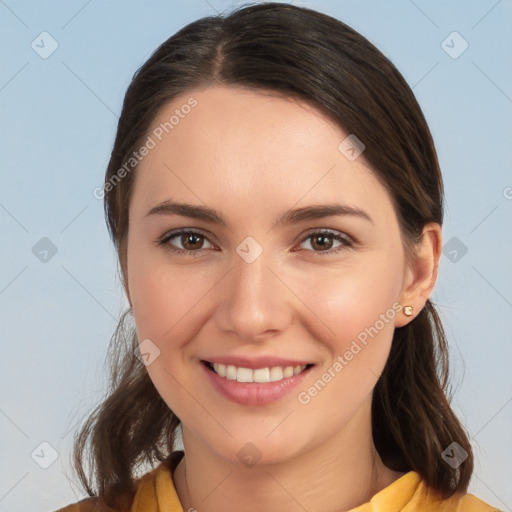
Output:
[[255, 302]]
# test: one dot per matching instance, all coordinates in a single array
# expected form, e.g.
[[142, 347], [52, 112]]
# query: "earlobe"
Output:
[[408, 311], [421, 274]]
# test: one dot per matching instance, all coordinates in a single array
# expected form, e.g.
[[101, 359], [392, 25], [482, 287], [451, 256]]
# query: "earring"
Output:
[[408, 310]]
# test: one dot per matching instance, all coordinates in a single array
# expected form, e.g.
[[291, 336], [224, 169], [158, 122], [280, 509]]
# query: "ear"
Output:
[[421, 273]]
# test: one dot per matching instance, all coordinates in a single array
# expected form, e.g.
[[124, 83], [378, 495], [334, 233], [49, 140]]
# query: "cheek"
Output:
[[354, 301], [357, 308], [362, 316], [162, 297], [166, 302]]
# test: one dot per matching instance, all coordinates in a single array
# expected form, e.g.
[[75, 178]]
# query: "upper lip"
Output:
[[256, 362]]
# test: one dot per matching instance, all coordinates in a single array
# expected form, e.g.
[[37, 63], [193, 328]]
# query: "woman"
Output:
[[276, 203]]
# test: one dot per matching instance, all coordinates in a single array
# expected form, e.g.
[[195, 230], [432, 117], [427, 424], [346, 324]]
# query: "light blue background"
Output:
[[58, 119]]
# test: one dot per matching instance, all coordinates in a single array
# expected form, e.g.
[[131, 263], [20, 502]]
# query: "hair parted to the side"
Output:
[[295, 52]]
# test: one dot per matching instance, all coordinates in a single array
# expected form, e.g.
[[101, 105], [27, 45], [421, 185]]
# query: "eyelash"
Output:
[[348, 243]]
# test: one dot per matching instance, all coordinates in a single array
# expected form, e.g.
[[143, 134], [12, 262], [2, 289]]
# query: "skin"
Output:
[[252, 156]]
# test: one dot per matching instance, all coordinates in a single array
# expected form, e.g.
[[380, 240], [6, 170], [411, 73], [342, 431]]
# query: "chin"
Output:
[[251, 449]]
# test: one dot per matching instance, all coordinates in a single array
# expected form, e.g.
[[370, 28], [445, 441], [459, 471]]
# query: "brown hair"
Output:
[[301, 53]]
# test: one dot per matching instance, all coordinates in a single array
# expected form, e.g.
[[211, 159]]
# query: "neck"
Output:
[[339, 474]]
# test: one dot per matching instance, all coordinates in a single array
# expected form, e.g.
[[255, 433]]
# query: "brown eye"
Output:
[[191, 242], [323, 242]]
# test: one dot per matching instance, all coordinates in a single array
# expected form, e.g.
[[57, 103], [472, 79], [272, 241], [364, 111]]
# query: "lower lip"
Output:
[[253, 393]]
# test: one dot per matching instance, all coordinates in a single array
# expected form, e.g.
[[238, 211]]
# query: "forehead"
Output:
[[250, 150]]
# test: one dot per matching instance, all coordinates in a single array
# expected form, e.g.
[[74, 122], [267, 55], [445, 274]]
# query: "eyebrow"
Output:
[[291, 216]]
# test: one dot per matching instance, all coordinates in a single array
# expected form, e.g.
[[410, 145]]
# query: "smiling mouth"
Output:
[[257, 375]]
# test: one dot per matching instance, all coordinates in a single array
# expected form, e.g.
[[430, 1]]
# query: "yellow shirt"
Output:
[[156, 493]]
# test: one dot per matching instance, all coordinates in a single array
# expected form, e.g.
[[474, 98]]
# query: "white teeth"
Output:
[[261, 375], [276, 373], [220, 369], [230, 372], [244, 375], [288, 372], [273, 374]]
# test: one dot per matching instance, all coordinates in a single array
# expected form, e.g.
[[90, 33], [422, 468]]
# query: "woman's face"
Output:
[[264, 288]]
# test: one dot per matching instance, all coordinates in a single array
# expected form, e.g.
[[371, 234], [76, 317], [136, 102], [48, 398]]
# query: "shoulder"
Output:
[[94, 504], [425, 498], [470, 503], [456, 503], [87, 505]]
